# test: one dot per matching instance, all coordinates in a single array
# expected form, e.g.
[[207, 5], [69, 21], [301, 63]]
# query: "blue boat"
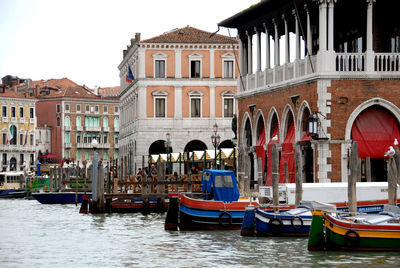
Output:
[[293, 222], [59, 197]]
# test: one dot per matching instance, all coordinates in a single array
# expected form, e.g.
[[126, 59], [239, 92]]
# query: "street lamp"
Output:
[[168, 149], [215, 139]]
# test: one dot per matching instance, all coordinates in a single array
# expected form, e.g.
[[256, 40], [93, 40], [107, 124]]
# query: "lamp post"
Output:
[[215, 139], [168, 149]]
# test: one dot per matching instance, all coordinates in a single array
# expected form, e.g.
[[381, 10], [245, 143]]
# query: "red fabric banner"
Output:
[[260, 149], [375, 130], [274, 140], [287, 156]]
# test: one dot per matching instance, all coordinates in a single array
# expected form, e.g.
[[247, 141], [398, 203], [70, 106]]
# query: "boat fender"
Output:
[[275, 225], [222, 216], [296, 219], [351, 238]]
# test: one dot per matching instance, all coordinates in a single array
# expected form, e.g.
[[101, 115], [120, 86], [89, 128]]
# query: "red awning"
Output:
[[374, 130], [49, 155], [260, 148], [287, 157], [274, 140]]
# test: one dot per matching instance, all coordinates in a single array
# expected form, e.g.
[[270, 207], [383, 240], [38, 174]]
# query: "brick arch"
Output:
[[245, 117], [285, 117], [269, 129], [303, 108], [257, 118], [374, 101]]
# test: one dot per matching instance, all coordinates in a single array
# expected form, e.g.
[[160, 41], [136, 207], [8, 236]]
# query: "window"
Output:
[[105, 109], [116, 155], [78, 155], [105, 122], [12, 111], [4, 111], [98, 138], [195, 103], [66, 137], [78, 108], [228, 102], [105, 139], [87, 155], [116, 123], [96, 109], [116, 139], [228, 69], [85, 138], [105, 155], [195, 69], [4, 159], [67, 107], [4, 138], [78, 138], [87, 108], [58, 121], [160, 107], [21, 159], [58, 109], [30, 112], [115, 109], [159, 69], [66, 123], [31, 139], [21, 112], [66, 154], [78, 121], [21, 139], [31, 159]]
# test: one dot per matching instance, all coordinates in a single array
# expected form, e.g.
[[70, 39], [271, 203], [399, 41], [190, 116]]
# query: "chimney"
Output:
[[137, 37], [36, 91]]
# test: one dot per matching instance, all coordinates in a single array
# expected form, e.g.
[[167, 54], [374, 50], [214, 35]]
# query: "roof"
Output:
[[190, 35], [109, 91], [9, 92]]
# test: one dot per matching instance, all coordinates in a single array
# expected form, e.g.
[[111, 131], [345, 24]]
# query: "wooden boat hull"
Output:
[[271, 224], [12, 194], [136, 205], [342, 235], [196, 214], [58, 197]]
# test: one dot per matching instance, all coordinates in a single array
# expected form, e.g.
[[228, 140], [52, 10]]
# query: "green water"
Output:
[[36, 235]]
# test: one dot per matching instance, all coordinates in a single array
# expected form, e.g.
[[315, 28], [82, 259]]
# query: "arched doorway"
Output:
[[194, 145], [374, 129], [13, 164], [306, 149], [260, 150], [286, 165], [273, 138], [248, 143], [158, 147], [226, 144]]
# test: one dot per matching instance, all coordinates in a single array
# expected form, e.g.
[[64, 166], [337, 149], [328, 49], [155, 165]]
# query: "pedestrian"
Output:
[[153, 170]]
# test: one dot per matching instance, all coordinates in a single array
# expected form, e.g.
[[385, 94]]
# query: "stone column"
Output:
[[178, 67], [296, 25], [322, 25], [258, 34], [309, 36], [369, 65], [277, 59], [330, 25], [249, 54], [267, 48], [212, 101], [287, 45], [212, 63]]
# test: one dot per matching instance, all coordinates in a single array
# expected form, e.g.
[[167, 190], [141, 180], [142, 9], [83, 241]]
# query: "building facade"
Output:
[[17, 128], [340, 72], [177, 85], [75, 116]]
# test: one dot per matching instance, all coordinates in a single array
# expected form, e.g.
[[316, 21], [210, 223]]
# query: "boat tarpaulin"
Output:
[[274, 140], [375, 130], [260, 148], [222, 184], [287, 157]]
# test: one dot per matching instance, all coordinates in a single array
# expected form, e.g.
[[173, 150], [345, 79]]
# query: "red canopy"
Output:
[[49, 155], [260, 148], [274, 140], [287, 157], [375, 130]]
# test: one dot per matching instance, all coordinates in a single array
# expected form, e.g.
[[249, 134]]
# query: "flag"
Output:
[[26, 138], [129, 76], [10, 136]]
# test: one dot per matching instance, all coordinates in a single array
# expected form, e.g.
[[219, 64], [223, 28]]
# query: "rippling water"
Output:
[[36, 235]]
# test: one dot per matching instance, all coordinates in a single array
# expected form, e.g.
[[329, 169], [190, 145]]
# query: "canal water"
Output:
[[36, 235]]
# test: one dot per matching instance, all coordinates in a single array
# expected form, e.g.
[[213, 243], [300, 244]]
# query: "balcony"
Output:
[[91, 128], [79, 128], [22, 120], [4, 119], [16, 148], [351, 65], [13, 120], [68, 145], [32, 120], [67, 128], [116, 129], [106, 129]]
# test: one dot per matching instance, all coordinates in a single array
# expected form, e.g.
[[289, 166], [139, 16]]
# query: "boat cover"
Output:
[[221, 184]]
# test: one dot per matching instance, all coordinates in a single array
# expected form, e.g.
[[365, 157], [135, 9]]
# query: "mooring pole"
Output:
[[355, 169], [275, 178]]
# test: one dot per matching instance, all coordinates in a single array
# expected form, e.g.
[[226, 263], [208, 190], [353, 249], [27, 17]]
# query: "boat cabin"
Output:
[[220, 185], [12, 180]]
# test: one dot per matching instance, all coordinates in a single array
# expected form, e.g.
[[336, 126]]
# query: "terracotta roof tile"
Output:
[[109, 91], [190, 35]]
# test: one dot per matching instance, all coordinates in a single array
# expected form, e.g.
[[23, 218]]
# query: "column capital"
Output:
[[275, 22], [306, 8], [284, 18], [370, 2], [294, 13]]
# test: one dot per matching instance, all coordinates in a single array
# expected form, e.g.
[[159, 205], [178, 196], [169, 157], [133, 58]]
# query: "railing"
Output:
[[92, 128], [67, 128], [350, 62], [387, 62], [106, 129], [79, 128], [4, 119]]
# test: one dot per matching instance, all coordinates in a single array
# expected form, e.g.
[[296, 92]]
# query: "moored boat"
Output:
[[365, 232], [220, 206], [59, 197]]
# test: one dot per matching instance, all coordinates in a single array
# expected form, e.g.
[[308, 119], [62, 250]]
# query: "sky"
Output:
[[83, 39]]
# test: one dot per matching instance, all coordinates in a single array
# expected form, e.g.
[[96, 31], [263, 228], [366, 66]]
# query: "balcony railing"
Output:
[[343, 63], [4, 119], [106, 129], [67, 128], [68, 145], [92, 128], [22, 120], [79, 128]]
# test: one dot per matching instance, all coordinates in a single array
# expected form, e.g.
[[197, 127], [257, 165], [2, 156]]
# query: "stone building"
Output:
[[17, 127], [178, 85], [337, 82]]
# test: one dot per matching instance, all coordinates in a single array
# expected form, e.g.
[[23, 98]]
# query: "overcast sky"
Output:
[[83, 39]]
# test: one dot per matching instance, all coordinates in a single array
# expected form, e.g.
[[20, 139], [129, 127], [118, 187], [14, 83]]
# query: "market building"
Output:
[[330, 64], [174, 88]]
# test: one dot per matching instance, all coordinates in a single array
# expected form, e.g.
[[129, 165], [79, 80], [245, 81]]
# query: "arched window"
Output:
[[116, 123], [66, 123], [78, 121], [105, 122]]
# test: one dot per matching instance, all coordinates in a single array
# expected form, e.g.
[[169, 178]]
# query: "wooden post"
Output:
[[286, 165], [189, 188], [392, 181], [100, 188], [161, 187], [352, 179], [299, 174], [368, 169], [275, 178]]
